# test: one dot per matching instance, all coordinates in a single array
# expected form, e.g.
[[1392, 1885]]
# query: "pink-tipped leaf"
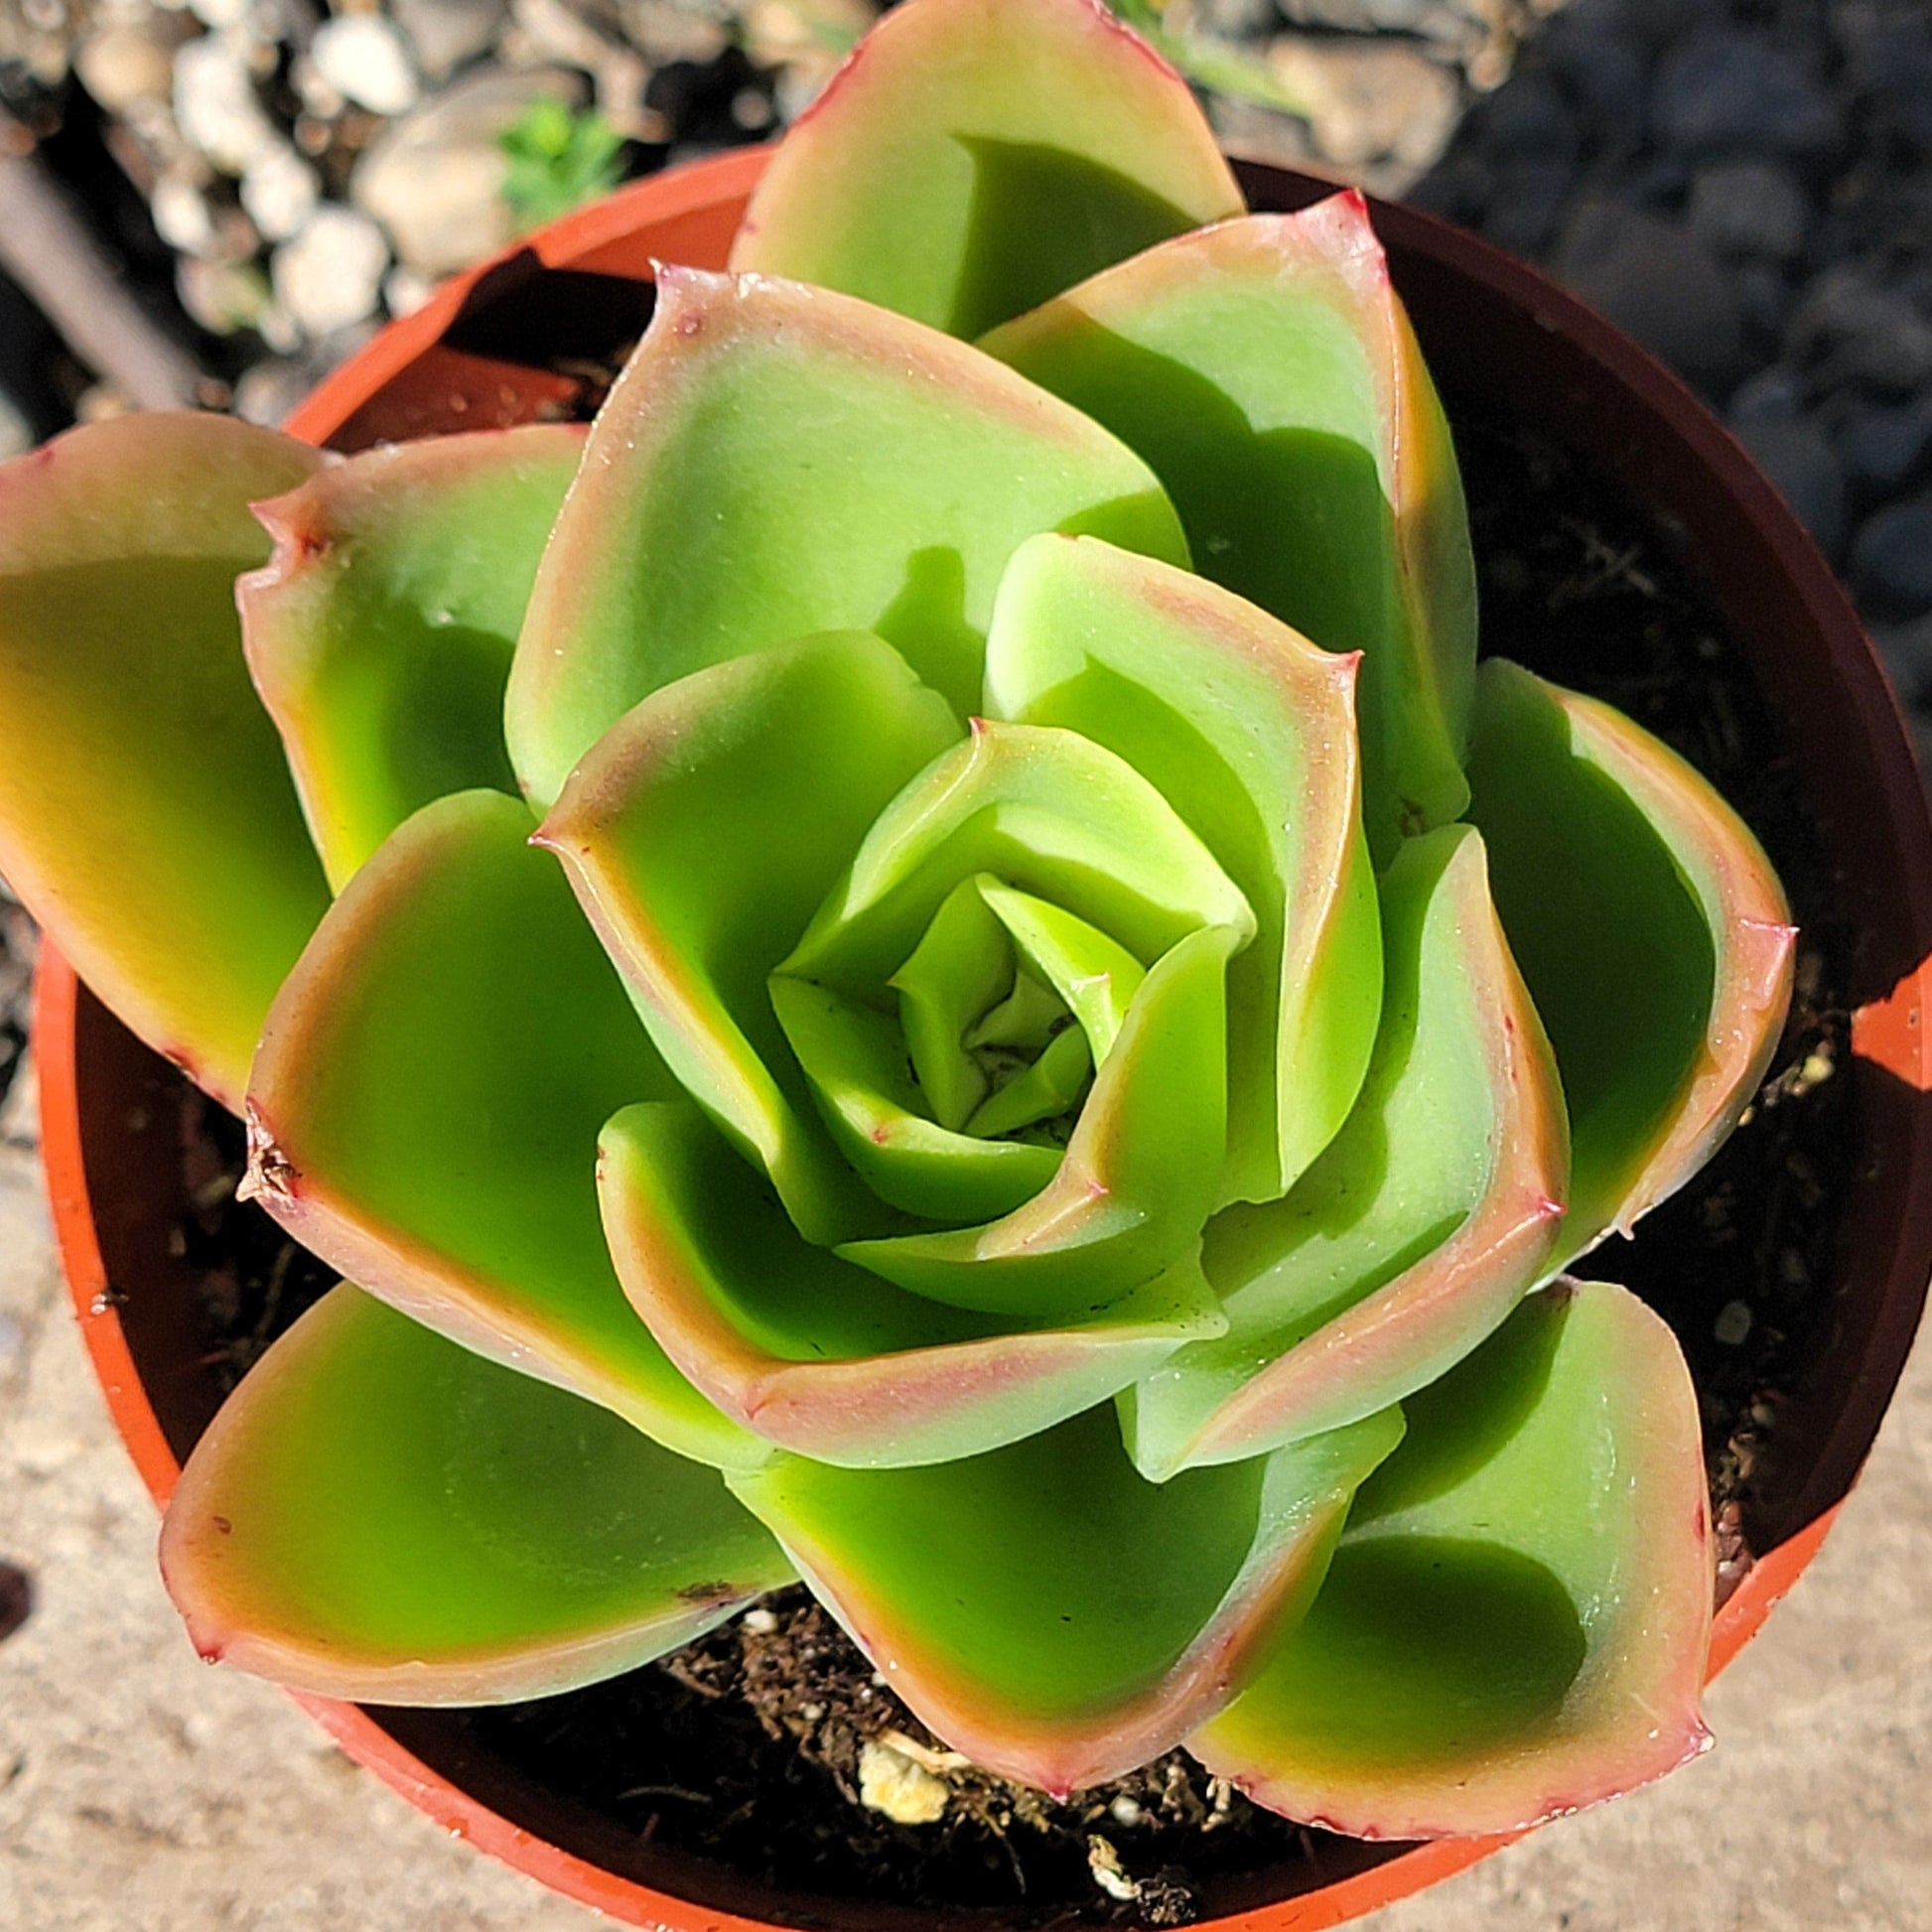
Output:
[[147, 818], [380, 630], [379, 1515], [1046, 141], [1516, 1620]]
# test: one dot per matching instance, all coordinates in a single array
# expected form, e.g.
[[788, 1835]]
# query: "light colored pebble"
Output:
[[330, 276], [363, 56], [120, 66], [181, 216], [1369, 101], [446, 32], [891, 1784], [280, 192], [217, 106], [760, 1622], [1734, 1323]]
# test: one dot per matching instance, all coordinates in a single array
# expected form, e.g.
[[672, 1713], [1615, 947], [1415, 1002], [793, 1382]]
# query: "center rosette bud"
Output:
[[1028, 912]]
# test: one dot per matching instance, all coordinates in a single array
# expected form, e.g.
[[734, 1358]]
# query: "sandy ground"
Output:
[[140, 1792]]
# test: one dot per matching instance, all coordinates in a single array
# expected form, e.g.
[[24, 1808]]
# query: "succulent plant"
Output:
[[924, 961]]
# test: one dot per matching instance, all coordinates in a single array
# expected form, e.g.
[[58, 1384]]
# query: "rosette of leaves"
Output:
[[923, 961]]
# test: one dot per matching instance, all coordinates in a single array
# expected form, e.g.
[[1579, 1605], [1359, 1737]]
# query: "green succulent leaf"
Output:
[[1420, 1228], [1046, 141], [1266, 371], [1046, 1610], [1041, 809], [145, 812], [381, 631], [701, 835], [827, 1359], [1094, 976], [379, 1515], [425, 1109], [776, 460], [958, 972], [1249, 734], [1139, 1174], [1515, 1621], [1653, 934]]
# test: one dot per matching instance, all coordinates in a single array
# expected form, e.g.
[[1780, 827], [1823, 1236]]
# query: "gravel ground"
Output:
[[1745, 185]]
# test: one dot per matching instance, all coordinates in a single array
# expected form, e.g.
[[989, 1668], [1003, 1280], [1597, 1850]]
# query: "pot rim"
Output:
[[1891, 1031]]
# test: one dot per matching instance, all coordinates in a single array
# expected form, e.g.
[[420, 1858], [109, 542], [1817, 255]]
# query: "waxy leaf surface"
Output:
[[1048, 1611], [1045, 142], [1249, 734], [776, 460], [1418, 1231], [381, 631], [1653, 934], [1266, 371], [701, 836], [380, 1514], [826, 1359], [146, 811], [1515, 1621], [425, 1109]]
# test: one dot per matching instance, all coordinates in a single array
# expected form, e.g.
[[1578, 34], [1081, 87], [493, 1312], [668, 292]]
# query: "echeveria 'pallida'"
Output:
[[923, 961]]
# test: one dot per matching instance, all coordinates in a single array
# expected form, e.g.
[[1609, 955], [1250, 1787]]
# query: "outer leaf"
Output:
[[379, 1515], [1651, 929], [778, 460], [1267, 372], [699, 836], [1045, 810], [1137, 1177], [425, 1109], [827, 1359], [1045, 1611], [381, 632], [146, 813], [1249, 732], [1515, 1623], [1418, 1231], [1046, 141]]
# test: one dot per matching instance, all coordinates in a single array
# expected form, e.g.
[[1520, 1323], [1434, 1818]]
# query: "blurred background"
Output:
[[211, 202]]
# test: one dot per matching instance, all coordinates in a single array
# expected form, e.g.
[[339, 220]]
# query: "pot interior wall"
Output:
[[1494, 334]]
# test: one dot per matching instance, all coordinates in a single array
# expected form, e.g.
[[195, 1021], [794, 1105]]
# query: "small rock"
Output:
[[446, 32], [222, 296], [220, 14], [435, 179], [280, 191], [404, 291], [216, 106], [1749, 207], [181, 216], [120, 66], [760, 1622], [330, 276], [1773, 395], [1797, 458], [1884, 446], [1528, 120], [663, 31], [906, 1793], [1734, 1323], [363, 56], [1654, 278], [1523, 210], [1378, 102], [1891, 560], [1906, 649], [1353, 16], [1861, 332], [1719, 90]]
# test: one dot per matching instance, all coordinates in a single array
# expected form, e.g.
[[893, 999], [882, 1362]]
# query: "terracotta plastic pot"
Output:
[[509, 342]]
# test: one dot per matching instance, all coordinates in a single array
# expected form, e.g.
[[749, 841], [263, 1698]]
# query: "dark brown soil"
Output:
[[743, 1748]]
